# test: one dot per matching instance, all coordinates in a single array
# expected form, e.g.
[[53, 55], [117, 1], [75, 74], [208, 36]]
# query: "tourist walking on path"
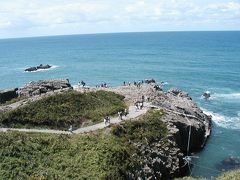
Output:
[[106, 120], [70, 129], [120, 114]]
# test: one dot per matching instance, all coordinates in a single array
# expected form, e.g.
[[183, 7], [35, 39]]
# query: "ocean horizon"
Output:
[[193, 61]]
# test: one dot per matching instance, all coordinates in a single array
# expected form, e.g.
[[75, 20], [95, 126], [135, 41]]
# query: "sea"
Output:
[[191, 61]]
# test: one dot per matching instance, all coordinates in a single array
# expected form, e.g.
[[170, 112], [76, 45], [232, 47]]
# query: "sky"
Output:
[[26, 18]]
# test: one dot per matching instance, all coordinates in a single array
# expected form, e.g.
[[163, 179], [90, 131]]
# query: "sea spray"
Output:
[[224, 121]]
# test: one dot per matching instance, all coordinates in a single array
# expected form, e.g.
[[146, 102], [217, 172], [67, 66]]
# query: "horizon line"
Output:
[[123, 32]]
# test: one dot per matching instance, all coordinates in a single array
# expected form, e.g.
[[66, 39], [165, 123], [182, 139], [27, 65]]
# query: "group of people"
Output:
[[82, 83], [103, 85], [138, 105], [138, 84], [122, 113]]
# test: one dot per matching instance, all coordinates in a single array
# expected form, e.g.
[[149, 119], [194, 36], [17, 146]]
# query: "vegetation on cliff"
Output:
[[105, 154], [62, 110]]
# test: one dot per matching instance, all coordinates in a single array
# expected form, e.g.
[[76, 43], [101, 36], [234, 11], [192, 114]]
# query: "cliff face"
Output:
[[165, 160], [162, 157], [181, 113]]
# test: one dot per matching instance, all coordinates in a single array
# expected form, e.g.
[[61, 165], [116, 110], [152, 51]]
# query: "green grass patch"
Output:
[[148, 128], [103, 154], [62, 110]]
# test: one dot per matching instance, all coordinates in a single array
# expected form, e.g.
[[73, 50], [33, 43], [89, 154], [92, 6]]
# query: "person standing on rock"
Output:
[[83, 83], [136, 106], [125, 112]]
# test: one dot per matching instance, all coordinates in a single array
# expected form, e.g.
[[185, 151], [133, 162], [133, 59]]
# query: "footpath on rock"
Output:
[[180, 111], [133, 113]]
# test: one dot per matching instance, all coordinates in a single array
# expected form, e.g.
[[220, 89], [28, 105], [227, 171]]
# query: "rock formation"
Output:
[[35, 68], [181, 113], [161, 160], [164, 161], [229, 163], [43, 86], [7, 95]]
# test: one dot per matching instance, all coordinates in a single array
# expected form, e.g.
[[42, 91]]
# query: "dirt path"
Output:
[[132, 114]]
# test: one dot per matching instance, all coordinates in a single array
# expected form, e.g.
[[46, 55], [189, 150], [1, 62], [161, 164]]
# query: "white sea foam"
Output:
[[224, 121], [230, 96]]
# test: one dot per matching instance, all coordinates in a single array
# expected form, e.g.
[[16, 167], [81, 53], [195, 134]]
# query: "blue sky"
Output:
[[24, 18]]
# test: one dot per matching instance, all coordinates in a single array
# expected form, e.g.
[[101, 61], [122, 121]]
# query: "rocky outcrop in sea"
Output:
[[35, 68]]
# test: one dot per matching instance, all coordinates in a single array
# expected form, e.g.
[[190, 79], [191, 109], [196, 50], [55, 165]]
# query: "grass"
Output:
[[148, 128], [62, 110], [104, 154]]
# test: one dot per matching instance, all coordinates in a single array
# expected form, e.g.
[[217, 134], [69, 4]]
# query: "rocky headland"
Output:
[[161, 158], [164, 160]]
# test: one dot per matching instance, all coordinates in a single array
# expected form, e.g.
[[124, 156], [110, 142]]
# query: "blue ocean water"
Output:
[[192, 61]]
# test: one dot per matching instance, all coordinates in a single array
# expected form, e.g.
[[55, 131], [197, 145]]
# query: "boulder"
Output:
[[229, 163], [7, 95], [148, 81], [44, 66], [31, 69]]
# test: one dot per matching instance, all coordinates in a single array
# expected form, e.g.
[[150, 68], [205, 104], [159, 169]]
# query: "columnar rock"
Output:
[[43, 86], [161, 160], [182, 113]]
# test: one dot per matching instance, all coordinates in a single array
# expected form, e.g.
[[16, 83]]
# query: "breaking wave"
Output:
[[230, 96], [224, 121]]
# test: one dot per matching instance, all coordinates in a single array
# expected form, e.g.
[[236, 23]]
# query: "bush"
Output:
[[103, 154]]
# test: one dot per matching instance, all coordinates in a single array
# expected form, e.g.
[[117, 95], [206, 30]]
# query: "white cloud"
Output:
[[106, 15]]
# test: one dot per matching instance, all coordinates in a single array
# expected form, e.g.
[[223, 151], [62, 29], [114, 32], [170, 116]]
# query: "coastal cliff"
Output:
[[166, 160], [152, 146]]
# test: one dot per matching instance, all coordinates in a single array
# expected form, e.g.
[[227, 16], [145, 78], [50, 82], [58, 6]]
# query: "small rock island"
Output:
[[35, 68]]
